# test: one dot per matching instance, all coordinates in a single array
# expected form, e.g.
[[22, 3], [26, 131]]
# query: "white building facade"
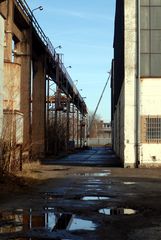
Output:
[[136, 83]]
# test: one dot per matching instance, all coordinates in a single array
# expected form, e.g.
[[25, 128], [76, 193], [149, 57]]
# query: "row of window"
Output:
[[150, 17], [150, 65], [150, 2], [150, 40]]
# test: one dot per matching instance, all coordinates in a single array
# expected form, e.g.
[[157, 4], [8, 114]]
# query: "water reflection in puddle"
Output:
[[86, 198], [92, 186], [96, 181], [129, 183], [10, 222], [100, 174], [80, 224], [49, 218], [117, 211]]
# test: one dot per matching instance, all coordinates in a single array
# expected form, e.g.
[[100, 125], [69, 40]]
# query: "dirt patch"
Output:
[[12, 183]]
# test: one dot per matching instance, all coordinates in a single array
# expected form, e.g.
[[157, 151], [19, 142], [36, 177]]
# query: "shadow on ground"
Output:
[[94, 157]]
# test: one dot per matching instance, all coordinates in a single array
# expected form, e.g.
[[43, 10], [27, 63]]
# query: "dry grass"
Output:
[[21, 181], [30, 171]]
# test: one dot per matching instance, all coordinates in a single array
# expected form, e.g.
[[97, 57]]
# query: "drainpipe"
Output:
[[137, 94]]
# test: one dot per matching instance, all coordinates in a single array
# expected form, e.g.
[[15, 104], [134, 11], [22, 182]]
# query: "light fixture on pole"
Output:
[[76, 82], [69, 67], [58, 47], [38, 8]]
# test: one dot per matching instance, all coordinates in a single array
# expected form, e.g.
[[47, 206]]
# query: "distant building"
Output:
[[101, 134], [136, 83], [105, 130]]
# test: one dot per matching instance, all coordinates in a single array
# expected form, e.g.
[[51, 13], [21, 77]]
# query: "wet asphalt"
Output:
[[94, 157], [86, 195]]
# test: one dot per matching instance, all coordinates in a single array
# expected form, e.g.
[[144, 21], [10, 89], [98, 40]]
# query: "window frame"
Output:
[[153, 135], [149, 69]]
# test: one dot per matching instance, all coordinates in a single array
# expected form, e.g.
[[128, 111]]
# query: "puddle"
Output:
[[10, 222], [80, 224], [129, 183], [48, 218], [130, 194], [92, 186], [51, 196], [101, 174], [117, 211], [97, 189], [95, 181], [95, 198]]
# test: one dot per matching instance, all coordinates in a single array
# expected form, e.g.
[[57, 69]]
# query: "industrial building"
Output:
[[136, 83], [100, 134]]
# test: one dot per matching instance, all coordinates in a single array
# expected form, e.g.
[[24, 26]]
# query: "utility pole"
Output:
[[94, 114]]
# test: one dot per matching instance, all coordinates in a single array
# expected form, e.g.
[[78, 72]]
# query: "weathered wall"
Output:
[[38, 109], [11, 91], [150, 101], [130, 79], [150, 105], [118, 69], [150, 96], [99, 141], [125, 110], [119, 126], [1, 68]]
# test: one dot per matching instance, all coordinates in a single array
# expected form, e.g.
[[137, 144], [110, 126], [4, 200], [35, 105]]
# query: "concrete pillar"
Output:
[[25, 105], [68, 124], [73, 124], [77, 128], [1, 69], [129, 84], [47, 115], [8, 35], [56, 132], [57, 105], [81, 130], [39, 108]]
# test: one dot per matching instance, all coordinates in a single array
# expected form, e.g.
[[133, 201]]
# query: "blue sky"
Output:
[[85, 31]]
